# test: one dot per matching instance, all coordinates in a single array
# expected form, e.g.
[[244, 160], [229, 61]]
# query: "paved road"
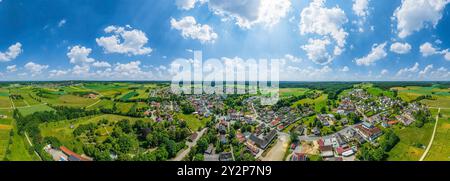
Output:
[[432, 137], [183, 154]]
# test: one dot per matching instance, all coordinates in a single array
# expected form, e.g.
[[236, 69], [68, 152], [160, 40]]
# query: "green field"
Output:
[[406, 150], [70, 101], [440, 150], [287, 92], [193, 122], [4, 139], [378, 92], [410, 93], [129, 95], [5, 102], [319, 102], [32, 109]]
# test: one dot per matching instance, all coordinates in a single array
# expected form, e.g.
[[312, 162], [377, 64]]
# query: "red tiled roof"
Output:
[[71, 153]]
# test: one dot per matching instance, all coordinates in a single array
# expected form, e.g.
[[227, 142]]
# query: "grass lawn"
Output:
[[405, 149], [319, 102], [286, 92], [32, 109], [440, 149], [64, 133], [193, 122], [378, 92]]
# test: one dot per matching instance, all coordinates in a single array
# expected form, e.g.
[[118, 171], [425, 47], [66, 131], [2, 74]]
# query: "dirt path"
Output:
[[183, 153], [432, 137], [277, 152]]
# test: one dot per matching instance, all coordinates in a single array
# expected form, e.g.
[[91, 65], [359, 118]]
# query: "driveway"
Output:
[[183, 153]]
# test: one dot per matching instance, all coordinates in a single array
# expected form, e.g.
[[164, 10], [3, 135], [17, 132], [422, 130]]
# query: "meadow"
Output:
[[193, 122], [25, 111], [287, 92]]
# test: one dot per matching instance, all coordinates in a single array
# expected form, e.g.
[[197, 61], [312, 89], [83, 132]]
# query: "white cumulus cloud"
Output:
[[400, 48], [316, 50], [378, 52], [34, 68], [405, 71], [101, 64], [124, 40], [361, 7], [191, 29], [12, 52], [413, 15], [11, 68], [188, 4], [326, 22], [247, 13], [79, 54]]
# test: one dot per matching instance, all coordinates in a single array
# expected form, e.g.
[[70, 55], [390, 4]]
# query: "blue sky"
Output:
[[137, 40]]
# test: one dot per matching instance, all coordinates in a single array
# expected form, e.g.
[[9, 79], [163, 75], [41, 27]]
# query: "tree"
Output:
[[202, 145], [198, 157], [294, 136]]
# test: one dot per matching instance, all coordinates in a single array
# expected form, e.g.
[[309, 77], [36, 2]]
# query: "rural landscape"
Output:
[[145, 121]]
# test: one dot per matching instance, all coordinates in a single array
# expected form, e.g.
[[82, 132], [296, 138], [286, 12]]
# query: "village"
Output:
[[255, 128]]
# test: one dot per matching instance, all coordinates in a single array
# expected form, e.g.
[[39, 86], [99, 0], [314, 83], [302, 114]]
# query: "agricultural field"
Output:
[[440, 150], [287, 92], [410, 93], [63, 131], [35, 108], [412, 143], [69, 100], [4, 99], [4, 140]]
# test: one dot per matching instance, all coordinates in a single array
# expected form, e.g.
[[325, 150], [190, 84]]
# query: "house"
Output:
[[299, 157], [193, 137], [252, 147], [222, 129], [264, 141], [210, 149], [72, 156], [316, 131], [148, 113], [212, 157], [57, 155], [326, 119], [91, 96], [225, 156], [368, 132], [326, 151], [223, 139], [334, 159], [240, 137]]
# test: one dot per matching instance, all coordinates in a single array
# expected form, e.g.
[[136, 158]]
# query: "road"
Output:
[[432, 137], [183, 154]]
